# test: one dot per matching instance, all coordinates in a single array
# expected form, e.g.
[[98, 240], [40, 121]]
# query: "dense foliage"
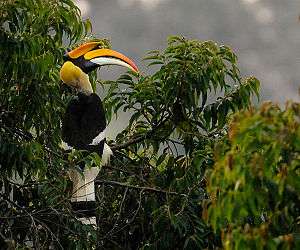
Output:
[[162, 155], [255, 184], [153, 195]]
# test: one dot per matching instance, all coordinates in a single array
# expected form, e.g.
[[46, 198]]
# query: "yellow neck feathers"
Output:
[[73, 76]]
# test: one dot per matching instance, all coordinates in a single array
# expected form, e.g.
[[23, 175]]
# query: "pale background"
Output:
[[265, 34]]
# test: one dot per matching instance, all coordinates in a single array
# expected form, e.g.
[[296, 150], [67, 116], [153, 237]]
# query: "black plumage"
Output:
[[85, 65], [84, 120]]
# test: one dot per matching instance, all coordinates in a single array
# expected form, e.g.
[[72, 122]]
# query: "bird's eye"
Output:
[[66, 55]]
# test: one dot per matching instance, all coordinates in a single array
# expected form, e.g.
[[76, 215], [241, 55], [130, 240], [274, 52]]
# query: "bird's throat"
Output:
[[84, 84]]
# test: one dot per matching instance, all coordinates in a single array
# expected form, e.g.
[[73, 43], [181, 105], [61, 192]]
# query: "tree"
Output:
[[151, 195], [255, 183], [168, 144]]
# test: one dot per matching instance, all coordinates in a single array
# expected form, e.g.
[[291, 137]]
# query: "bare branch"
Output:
[[150, 189]]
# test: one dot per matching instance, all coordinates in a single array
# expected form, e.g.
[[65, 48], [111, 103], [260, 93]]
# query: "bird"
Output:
[[84, 123]]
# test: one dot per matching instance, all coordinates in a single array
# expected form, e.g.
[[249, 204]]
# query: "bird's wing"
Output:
[[84, 122]]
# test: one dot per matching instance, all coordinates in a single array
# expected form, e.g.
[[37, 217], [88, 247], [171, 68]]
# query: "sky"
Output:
[[265, 34]]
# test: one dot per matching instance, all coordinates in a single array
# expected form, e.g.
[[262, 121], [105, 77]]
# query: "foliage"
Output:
[[161, 156], [255, 184], [33, 34]]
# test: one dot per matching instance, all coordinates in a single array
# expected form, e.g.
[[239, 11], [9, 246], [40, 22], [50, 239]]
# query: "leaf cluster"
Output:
[[255, 181]]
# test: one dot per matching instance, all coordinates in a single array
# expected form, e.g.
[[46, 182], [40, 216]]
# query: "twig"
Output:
[[132, 218], [150, 189], [119, 215], [129, 142]]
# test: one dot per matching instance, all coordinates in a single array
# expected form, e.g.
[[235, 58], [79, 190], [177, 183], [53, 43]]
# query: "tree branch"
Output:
[[129, 142], [139, 138], [150, 189]]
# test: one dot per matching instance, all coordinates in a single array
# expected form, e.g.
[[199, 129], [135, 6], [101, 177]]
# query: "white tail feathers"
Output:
[[83, 184]]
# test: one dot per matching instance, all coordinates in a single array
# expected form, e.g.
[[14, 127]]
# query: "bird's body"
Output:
[[83, 128], [84, 123]]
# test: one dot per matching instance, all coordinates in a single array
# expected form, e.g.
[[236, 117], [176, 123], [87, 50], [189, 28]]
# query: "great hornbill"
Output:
[[84, 123]]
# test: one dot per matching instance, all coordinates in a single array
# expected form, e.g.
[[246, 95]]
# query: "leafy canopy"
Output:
[[255, 184], [154, 194]]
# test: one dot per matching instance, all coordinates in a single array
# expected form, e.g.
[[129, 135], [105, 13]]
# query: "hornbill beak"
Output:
[[89, 56]]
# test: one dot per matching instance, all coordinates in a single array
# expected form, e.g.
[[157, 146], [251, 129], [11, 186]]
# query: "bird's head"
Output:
[[86, 58]]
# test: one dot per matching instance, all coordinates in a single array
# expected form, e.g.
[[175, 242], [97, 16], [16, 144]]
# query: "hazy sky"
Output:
[[265, 34]]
